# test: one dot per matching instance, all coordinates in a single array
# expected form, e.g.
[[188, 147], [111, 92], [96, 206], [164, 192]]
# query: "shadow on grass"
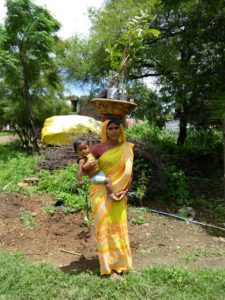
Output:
[[83, 265]]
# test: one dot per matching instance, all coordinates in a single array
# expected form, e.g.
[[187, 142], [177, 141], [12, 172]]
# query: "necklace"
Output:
[[112, 145]]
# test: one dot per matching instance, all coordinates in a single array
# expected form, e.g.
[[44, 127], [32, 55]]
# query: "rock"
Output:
[[32, 180], [22, 184]]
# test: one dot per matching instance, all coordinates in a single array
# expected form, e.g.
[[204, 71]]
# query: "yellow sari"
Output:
[[110, 216]]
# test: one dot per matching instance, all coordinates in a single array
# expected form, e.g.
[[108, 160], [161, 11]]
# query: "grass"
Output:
[[15, 165], [28, 218], [201, 252], [138, 220], [20, 279], [6, 133]]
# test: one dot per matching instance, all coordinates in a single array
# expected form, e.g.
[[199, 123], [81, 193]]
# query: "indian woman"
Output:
[[115, 159]]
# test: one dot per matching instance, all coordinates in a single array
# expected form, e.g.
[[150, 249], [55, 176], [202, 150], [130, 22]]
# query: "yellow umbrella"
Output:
[[61, 130]]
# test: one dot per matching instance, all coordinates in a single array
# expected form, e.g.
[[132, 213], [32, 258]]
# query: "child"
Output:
[[83, 151]]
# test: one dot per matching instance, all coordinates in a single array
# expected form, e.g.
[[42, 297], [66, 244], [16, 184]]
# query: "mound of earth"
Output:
[[66, 242]]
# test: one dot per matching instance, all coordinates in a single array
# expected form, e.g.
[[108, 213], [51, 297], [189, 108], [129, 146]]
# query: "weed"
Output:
[[147, 251], [189, 257], [62, 185], [49, 209], [219, 253], [15, 170], [199, 252], [28, 218], [140, 185], [177, 187], [138, 220]]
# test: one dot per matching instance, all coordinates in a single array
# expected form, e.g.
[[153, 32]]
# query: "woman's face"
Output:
[[113, 131]]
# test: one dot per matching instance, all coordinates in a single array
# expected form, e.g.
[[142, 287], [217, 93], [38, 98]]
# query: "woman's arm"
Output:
[[125, 191]]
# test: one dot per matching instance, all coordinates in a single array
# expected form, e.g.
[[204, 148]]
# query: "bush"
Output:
[[182, 164]]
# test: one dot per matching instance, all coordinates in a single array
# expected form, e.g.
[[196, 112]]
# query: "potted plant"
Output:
[[122, 54]]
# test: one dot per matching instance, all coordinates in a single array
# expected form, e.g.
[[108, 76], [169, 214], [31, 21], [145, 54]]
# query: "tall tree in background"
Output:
[[26, 56], [194, 43], [187, 58], [87, 59]]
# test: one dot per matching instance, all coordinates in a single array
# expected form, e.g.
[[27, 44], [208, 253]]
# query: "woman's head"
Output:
[[112, 130]]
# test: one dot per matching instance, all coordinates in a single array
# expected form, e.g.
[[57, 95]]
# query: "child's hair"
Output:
[[78, 142]]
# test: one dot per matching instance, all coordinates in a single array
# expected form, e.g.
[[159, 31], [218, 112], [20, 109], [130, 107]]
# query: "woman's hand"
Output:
[[122, 194]]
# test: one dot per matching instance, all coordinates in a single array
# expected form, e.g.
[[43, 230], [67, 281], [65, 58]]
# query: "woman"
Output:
[[115, 159]]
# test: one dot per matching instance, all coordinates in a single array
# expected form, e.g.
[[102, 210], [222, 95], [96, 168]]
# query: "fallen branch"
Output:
[[70, 252]]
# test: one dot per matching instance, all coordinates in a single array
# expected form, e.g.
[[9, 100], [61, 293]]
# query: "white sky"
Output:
[[72, 14]]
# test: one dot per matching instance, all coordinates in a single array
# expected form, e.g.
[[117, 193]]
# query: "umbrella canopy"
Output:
[[61, 130]]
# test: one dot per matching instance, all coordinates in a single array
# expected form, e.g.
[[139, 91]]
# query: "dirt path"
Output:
[[63, 239], [8, 138]]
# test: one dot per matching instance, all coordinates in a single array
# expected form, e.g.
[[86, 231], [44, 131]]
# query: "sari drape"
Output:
[[110, 216]]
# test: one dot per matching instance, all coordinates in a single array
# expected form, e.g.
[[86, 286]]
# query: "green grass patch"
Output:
[[201, 252], [6, 133], [21, 279], [16, 165], [62, 184], [28, 218], [139, 220]]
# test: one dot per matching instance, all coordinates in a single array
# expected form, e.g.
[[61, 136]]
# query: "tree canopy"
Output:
[[28, 68], [187, 58], [179, 44]]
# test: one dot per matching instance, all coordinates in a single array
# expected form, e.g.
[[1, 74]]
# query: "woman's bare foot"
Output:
[[115, 275]]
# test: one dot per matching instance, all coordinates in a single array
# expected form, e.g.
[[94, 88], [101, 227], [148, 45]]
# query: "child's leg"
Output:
[[101, 178], [108, 185]]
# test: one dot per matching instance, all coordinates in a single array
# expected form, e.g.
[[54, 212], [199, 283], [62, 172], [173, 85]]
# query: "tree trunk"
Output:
[[224, 159], [28, 99], [183, 130]]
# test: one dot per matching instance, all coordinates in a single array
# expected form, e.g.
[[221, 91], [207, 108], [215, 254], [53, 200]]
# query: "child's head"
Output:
[[81, 147]]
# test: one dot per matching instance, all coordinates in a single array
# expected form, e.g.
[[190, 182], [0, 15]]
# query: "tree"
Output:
[[192, 33], [124, 56], [87, 60], [150, 107], [187, 57], [27, 58]]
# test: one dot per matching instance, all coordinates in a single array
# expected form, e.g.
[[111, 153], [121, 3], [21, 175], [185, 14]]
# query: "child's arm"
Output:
[[80, 171], [89, 165]]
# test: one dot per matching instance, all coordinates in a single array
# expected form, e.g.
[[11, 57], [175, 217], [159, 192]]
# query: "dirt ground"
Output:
[[64, 241], [8, 138]]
